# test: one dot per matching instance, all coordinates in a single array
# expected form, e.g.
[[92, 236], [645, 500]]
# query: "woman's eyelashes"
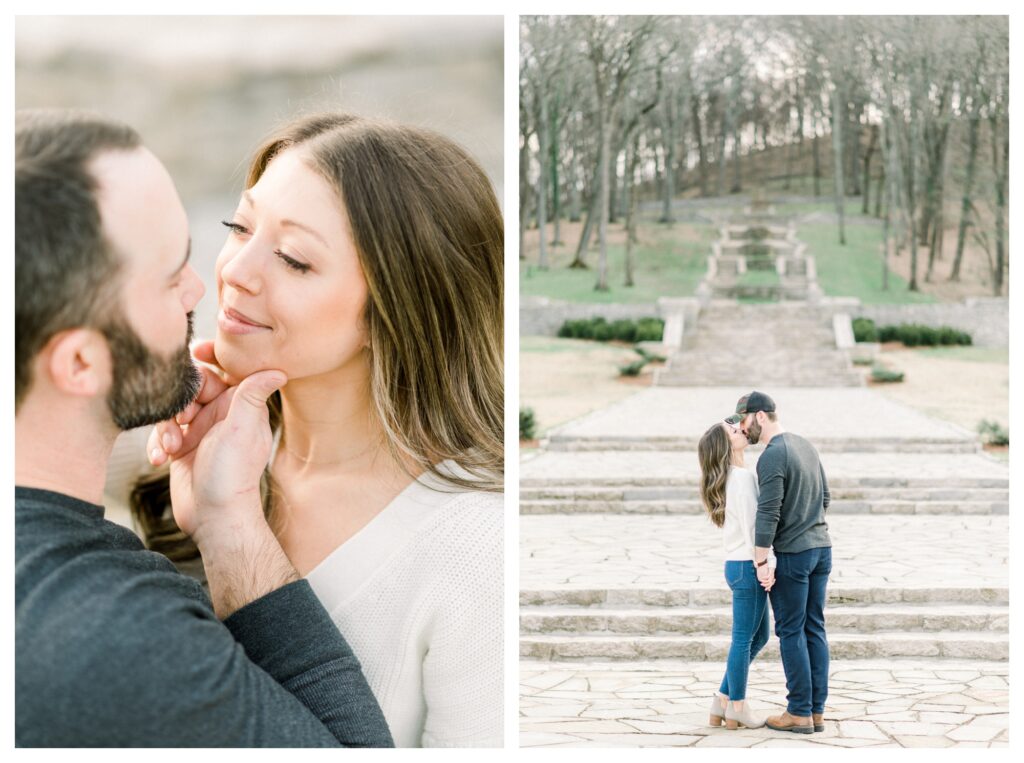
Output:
[[290, 262], [234, 227], [293, 264]]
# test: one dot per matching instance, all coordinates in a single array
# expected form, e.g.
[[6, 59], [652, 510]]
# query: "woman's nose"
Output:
[[242, 270]]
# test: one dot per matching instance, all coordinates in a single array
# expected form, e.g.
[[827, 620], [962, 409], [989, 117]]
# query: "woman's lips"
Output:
[[234, 322]]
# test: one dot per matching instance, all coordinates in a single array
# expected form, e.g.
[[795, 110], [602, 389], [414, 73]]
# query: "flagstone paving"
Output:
[[610, 551], [895, 703]]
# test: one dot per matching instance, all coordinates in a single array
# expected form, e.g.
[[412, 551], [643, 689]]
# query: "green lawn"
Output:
[[854, 270], [971, 354], [670, 262], [664, 266]]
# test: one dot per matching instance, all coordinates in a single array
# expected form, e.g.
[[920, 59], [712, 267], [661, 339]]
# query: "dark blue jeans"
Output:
[[749, 626], [798, 601]]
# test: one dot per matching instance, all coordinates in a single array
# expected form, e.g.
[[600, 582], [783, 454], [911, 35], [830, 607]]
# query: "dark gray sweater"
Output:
[[793, 496], [115, 648]]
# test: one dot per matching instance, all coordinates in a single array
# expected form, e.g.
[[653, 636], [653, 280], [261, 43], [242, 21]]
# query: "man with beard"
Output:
[[113, 646], [793, 497]]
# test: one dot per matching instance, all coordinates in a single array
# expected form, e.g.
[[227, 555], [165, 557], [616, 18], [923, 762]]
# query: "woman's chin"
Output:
[[236, 359]]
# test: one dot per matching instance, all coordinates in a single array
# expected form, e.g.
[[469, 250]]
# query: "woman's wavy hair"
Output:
[[429, 234], [714, 453]]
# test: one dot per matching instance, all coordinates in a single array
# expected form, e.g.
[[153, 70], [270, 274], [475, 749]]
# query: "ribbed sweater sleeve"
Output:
[[771, 481]]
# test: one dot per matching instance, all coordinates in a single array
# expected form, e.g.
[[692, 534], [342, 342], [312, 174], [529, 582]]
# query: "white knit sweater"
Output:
[[417, 593], [741, 494]]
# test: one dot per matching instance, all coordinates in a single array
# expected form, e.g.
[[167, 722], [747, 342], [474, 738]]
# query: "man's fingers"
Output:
[[164, 439], [204, 420]]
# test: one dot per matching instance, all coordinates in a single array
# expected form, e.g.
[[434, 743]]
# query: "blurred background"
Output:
[[204, 91]]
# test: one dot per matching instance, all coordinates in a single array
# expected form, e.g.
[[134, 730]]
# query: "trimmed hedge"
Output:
[[633, 369], [882, 374], [993, 433], [624, 330], [910, 334], [527, 424]]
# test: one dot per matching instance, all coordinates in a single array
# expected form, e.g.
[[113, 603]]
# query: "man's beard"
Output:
[[148, 388], [753, 432]]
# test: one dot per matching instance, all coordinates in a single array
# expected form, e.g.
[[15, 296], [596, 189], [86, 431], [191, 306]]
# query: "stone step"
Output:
[[714, 596], [842, 490], [717, 621], [576, 506], [650, 486], [641, 442], [842, 646]]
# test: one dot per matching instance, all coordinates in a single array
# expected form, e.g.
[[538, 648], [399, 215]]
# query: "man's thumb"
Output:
[[254, 390]]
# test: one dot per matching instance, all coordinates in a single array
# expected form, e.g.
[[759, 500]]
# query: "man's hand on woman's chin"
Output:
[[218, 447]]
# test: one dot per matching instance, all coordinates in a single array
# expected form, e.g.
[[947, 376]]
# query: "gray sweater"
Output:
[[793, 496], [115, 648]]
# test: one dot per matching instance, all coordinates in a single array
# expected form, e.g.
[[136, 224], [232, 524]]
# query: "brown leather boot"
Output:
[[819, 721], [787, 722]]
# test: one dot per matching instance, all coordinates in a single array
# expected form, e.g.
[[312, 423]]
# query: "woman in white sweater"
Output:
[[365, 261], [728, 491]]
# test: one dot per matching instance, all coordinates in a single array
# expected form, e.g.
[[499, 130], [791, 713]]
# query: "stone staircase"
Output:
[[620, 565], [885, 496], [930, 625], [760, 345], [607, 615]]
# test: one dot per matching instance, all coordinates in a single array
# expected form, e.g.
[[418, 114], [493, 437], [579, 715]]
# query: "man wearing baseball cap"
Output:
[[793, 497]]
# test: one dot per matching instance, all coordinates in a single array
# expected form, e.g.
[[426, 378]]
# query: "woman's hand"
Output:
[[766, 576]]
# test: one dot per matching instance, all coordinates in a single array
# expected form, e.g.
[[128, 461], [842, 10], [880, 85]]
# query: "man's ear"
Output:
[[77, 362]]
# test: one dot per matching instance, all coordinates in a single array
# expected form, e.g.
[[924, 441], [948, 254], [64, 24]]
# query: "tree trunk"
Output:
[[878, 192], [888, 213], [593, 212], [542, 180], [737, 178], [668, 186], [630, 180], [702, 151], [575, 197], [604, 172], [556, 192], [613, 186], [817, 159], [866, 185], [724, 130], [1001, 178], [837, 151], [853, 140], [965, 204], [524, 192]]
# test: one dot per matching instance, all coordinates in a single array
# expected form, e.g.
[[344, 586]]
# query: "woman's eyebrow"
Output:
[[287, 223]]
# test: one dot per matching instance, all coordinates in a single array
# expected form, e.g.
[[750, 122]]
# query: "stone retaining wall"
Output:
[[539, 316], [986, 319]]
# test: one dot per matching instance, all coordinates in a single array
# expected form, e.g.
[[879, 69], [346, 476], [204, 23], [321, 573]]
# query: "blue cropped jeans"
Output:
[[749, 626]]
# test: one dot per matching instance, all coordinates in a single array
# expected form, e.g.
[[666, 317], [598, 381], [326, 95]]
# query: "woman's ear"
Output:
[[78, 363]]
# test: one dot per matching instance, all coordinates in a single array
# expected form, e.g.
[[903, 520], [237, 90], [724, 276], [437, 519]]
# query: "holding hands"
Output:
[[766, 576]]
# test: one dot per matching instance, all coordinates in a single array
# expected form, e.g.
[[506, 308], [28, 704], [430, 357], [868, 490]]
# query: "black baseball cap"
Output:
[[752, 403]]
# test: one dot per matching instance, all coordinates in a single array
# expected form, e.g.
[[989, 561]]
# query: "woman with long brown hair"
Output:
[[365, 261], [728, 491]]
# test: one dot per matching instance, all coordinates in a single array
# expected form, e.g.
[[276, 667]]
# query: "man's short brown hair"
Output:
[[65, 272]]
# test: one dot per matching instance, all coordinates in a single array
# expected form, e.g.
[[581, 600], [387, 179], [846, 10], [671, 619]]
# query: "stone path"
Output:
[[614, 552], [901, 703], [833, 419]]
